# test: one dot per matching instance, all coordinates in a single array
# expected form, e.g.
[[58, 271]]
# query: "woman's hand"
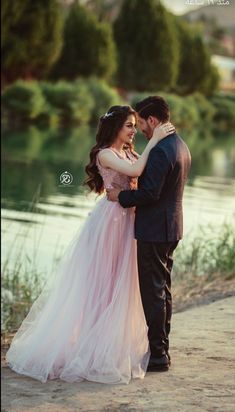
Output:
[[163, 130]]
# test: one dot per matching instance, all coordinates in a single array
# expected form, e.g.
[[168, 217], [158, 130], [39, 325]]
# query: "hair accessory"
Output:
[[108, 115]]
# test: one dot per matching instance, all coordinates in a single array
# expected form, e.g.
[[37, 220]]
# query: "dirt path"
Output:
[[201, 377]]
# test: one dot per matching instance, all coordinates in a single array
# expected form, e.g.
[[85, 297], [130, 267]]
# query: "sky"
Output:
[[176, 6], [181, 6]]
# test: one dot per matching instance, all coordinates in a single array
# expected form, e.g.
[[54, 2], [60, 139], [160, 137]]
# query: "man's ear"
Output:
[[153, 121]]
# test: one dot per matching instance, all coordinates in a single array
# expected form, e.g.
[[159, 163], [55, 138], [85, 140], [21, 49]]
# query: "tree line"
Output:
[[145, 48]]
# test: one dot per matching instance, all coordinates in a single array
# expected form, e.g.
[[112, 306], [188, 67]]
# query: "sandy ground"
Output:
[[201, 377]]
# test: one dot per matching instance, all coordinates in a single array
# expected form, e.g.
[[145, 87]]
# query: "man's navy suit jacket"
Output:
[[158, 199]]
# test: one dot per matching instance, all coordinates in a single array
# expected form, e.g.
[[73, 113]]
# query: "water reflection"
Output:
[[38, 157], [33, 198]]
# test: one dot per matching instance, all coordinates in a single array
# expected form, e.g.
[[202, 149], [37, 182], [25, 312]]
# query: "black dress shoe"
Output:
[[158, 364]]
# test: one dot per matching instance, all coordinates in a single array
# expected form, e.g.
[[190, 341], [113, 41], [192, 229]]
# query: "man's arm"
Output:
[[157, 169]]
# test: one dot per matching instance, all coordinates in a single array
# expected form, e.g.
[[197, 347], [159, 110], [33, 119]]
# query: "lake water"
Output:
[[40, 216]]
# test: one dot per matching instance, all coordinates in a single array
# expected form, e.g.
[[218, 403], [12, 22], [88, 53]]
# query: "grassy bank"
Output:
[[208, 251]]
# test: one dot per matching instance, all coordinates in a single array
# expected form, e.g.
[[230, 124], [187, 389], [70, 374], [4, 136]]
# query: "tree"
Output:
[[103, 9], [31, 37], [147, 46], [88, 49], [196, 72]]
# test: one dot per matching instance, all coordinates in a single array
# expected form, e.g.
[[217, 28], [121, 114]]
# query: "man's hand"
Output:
[[112, 194]]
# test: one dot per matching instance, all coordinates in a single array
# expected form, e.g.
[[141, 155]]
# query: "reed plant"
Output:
[[207, 252]]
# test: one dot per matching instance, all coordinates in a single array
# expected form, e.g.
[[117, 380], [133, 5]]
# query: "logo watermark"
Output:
[[207, 3], [66, 179]]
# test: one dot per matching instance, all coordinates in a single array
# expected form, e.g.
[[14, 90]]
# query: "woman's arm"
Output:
[[112, 161]]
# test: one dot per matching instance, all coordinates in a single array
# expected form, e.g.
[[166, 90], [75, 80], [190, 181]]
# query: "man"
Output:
[[158, 224]]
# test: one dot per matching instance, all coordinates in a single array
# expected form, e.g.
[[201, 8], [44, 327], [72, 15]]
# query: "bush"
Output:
[[229, 96], [224, 110], [71, 100], [67, 103], [24, 100], [103, 97], [137, 97], [205, 108], [183, 111]]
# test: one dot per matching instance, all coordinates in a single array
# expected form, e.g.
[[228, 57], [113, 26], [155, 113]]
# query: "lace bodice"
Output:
[[110, 176]]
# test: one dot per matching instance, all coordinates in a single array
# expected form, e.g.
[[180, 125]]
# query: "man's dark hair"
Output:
[[153, 106]]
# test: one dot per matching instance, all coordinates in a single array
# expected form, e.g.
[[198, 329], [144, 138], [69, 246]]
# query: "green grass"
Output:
[[208, 252]]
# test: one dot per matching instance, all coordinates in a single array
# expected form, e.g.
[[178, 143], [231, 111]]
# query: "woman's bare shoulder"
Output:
[[106, 151]]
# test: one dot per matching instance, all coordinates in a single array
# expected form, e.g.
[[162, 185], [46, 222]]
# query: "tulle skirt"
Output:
[[88, 322]]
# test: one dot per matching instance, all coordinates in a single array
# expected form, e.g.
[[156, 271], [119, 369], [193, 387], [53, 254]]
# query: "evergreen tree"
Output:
[[88, 49], [196, 73], [31, 37], [147, 46]]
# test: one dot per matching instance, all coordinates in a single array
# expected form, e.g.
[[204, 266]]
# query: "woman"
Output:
[[88, 323]]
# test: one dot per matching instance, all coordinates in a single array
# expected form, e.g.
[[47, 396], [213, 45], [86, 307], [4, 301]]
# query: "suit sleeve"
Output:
[[156, 172]]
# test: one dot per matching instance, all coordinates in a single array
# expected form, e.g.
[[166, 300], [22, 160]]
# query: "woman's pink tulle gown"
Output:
[[88, 323]]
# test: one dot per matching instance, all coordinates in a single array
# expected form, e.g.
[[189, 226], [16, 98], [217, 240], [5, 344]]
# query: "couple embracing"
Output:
[[106, 316]]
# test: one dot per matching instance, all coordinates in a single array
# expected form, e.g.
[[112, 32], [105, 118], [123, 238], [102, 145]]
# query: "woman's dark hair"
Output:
[[153, 106], [108, 128]]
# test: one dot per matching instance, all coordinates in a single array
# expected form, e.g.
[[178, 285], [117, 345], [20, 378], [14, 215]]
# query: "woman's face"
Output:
[[128, 130]]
